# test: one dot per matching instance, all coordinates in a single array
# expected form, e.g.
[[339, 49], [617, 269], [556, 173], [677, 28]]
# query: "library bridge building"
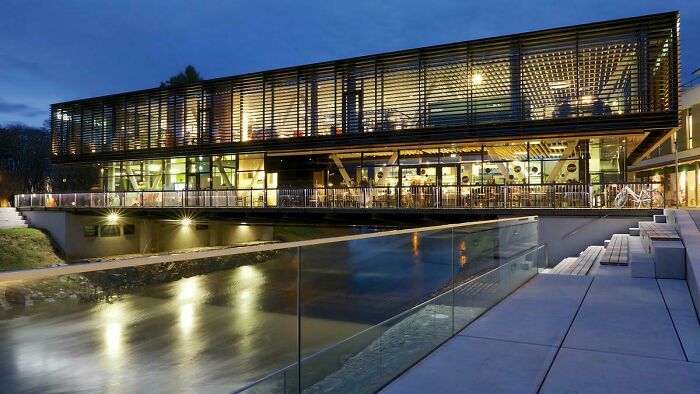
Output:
[[546, 120]]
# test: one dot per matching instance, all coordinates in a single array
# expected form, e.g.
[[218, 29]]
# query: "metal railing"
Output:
[[553, 196]]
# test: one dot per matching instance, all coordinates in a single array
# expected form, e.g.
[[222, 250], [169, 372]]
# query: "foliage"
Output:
[[24, 160], [187, 76], [25, 165]]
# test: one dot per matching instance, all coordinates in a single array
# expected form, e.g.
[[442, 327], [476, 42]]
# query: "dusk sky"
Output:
[[53, 51]]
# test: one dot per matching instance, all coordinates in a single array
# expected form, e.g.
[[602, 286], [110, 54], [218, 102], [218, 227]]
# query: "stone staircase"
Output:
[[11, 218], [652, 250]]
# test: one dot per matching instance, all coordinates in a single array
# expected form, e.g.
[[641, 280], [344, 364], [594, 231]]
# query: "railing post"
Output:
[[663, 194]]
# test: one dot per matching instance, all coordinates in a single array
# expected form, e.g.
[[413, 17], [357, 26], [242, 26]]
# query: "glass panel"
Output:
[[218, 323], [224, 172], [175, 174], [351, 286], [368, 309]]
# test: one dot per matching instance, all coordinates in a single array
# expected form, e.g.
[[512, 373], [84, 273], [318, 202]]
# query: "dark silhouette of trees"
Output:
[[25, 165], [25, 160], [187, 76]]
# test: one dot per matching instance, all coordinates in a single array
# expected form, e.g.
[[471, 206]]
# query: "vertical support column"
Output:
[[697, 183], [299, 318]]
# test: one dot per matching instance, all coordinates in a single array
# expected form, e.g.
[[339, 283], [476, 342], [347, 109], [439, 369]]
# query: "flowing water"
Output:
[[218, 331]]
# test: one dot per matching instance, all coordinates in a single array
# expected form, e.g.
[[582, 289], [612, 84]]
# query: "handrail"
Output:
[[41, 273], [385, 321], [508, 196], [574, 231]]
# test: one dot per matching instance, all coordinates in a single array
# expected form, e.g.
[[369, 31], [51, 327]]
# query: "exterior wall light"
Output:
[[477, 79], [112, 218], [186, 221]]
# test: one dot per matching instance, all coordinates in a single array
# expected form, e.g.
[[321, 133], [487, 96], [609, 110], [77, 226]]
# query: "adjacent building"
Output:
[[674, 160]]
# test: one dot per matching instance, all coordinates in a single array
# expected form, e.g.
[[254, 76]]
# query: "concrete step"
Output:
[[616, 252], [641, 263], [13, 223], [565, 265], [10, 215], [6, 226]]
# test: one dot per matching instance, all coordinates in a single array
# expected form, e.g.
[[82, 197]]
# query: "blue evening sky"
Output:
[[52, 51]]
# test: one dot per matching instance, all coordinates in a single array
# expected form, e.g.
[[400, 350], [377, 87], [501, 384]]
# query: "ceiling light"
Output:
[[559, 84]]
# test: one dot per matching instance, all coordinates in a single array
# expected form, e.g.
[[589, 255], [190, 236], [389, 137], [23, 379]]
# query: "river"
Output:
[[218, 331]]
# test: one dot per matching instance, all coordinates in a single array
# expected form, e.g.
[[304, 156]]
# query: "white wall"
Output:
[[67, 230], [567, 236]]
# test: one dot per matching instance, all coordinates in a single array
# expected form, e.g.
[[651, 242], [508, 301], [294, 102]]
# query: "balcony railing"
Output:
[[556, 196]]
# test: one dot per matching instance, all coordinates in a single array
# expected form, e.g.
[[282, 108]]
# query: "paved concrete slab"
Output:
[[582, 371], [680, 306], [695, 215], [540, 312], [477, 365], [625, 315]]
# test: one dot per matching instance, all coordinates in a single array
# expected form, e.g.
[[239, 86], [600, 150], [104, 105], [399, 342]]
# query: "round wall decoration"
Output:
[[571, 167]]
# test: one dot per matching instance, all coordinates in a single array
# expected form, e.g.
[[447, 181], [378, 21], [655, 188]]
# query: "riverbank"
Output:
[[109, 285], [26, 248]]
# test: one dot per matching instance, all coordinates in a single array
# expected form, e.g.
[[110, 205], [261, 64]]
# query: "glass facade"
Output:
[[621, 70], [484, 123], [681, 184], [527, 162]]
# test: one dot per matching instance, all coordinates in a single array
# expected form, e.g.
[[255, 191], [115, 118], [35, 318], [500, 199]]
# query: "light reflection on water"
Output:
[[218, 331]]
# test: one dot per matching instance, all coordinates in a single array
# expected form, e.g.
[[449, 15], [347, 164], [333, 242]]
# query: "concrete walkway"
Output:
[[572, 334]]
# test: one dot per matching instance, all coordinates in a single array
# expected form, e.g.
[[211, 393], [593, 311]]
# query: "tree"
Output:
[[187, 76], [24, 160]]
